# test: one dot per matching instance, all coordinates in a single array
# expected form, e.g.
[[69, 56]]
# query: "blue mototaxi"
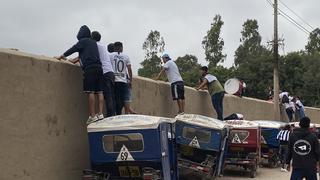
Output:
[[134, 147], [269, 143], [201, 143]]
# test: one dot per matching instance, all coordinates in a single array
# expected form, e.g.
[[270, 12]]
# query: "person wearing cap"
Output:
[[303, 151], [176, 81], [215, 89]]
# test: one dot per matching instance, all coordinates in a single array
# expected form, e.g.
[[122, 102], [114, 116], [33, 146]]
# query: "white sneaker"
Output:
[[283, 170], [180, 113], [92, 119], [100, 116]]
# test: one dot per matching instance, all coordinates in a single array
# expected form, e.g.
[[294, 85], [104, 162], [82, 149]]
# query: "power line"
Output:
[[294, 22], [296, 14], [290, 19], [271, 4]]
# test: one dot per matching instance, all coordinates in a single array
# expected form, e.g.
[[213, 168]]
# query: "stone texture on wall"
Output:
[[43, 113]]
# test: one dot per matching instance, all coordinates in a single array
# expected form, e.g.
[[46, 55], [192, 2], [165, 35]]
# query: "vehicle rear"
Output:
[[144, 152], [244, 147], [199, 151]]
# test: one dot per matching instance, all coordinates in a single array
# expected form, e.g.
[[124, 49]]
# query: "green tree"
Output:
[[153, 46], [313, 45], [291, 71], [189, 69], [253, 61], [310, 77], [213, 44], [250, 42]]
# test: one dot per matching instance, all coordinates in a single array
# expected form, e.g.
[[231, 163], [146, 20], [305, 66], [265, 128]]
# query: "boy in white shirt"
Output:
[[121, 65], [175, 79], [108, 75]]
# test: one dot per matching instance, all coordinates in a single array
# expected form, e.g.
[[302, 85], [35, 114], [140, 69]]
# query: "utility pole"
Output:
[[276, 64]]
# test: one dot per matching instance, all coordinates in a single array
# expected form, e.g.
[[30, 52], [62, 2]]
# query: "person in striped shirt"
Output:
[[283, 138]]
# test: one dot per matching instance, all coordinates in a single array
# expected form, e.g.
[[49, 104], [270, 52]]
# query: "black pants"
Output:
[[109, 93], [299, 174], [217, 102]]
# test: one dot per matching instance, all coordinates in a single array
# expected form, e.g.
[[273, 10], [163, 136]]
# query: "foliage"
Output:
[[153, 46], [253, 61], [213, 44], [299, 71], [189, 69], [313, 45]]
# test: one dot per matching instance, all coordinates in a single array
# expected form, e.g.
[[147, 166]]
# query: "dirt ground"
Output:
[[262, 174], [238, 174]]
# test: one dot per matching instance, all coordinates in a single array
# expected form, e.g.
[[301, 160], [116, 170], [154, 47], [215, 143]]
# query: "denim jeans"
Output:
[[121, 95], [108, 93], [290, 112], [283, 154], [301, 112], [299, 174], [217, 102]]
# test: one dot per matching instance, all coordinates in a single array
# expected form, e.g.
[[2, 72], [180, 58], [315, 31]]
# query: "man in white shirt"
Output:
[[108, 75], [283, 138], [299, 107], [288, 104], [175, 79], [121, 65]]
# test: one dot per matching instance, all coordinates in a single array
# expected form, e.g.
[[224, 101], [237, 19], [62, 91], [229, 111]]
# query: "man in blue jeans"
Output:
[[215, 89], [304, 151]]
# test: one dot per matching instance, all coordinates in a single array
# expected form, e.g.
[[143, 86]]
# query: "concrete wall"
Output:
[[146, 92], [42, 122], [43, 113]]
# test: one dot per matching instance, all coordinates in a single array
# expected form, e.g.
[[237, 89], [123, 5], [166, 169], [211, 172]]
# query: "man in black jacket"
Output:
[[91, 66], [304, 152]]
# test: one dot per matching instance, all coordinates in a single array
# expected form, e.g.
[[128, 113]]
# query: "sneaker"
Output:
[[283, 170], [100, 116], [92, 119], [180, 113]]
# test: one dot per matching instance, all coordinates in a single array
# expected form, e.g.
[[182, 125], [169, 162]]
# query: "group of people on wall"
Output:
[[107, 77], [107, 74]]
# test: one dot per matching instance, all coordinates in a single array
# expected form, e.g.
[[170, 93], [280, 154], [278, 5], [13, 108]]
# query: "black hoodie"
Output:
[[303, 149], [87, 49]]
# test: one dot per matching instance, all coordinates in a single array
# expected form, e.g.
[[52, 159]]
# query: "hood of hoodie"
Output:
[[84, 32], [301, 132]]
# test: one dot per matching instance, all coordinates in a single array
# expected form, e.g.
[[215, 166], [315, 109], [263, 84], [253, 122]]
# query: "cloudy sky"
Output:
[[49, 27]]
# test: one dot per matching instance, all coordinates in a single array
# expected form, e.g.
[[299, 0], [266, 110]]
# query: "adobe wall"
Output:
[[43, 113]]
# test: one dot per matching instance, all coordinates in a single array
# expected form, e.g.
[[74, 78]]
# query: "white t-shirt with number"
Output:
[[172, 72], [120, 62]]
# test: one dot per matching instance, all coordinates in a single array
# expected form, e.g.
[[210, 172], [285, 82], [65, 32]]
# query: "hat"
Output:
[[304, 122], [166, 56]]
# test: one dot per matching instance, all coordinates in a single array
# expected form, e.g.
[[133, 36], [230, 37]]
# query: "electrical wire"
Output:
[[296, 14], [294, 22], [290, 19]]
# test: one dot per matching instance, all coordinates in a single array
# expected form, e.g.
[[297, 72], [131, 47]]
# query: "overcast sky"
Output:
[[49, 27]]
